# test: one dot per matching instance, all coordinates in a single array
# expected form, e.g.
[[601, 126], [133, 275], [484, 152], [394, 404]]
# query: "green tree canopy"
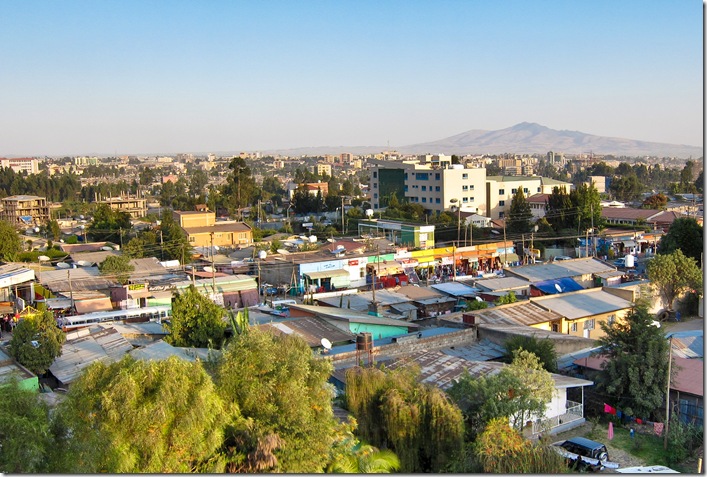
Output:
[[673, 274], [10, 242], [686, 235], [142, 416], [655, 201], [282, 392], [627, 188], [519, 215], [174, 244], [196, 320], [559, 211], [635, 374], [544, 349], [118, 267], [107, 223], [36, 342], [587, 204]]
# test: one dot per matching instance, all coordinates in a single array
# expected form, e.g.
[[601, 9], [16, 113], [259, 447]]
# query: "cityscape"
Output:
[[316, 237]]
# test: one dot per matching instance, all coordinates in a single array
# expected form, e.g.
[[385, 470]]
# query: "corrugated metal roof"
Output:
[[84, 347], [688, 344], [148, 267], [389, 297], [454, 289], [562, 269], [351, 316], [9, 368], [500, 284], [161, 350], [524, 313], [312, 330], [82, 279], [349, 302], [436, 300], [583, 303], [417, 293], [93, 257]]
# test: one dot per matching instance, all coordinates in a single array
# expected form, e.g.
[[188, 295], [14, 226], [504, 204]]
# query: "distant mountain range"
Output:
[[523, 138]]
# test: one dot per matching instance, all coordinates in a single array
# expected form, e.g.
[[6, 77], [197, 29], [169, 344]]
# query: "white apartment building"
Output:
[[501, 189], [19, 164], [433, 184]]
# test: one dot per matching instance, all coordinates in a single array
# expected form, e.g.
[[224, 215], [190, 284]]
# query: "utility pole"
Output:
[[505, 249], [667, 396], [532, 253], [522, 238], [162, 248], [454, 259], [71, 290], [343, 226], [121, 237]]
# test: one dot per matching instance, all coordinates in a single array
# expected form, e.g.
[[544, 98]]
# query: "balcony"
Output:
[[573, 416]]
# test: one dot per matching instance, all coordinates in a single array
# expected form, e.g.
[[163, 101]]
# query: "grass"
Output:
[[647, 447]]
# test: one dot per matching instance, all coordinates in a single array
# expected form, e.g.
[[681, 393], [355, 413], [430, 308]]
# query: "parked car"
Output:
[[585, 454]]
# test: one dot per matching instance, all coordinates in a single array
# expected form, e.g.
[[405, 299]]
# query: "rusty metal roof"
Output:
[[312, 330], [523, 313]]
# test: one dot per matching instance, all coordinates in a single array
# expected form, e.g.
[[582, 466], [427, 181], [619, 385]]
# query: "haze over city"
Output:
[[130, 77]]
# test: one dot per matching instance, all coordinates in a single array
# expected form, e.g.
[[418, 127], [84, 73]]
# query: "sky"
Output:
[[130, 77]]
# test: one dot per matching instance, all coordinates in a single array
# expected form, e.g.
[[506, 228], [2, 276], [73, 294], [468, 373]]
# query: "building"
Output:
[[501, 189], [657, 219], [25, 210], [135, 207], [436, 184], [410, 235], [21, 164], [312, 187], [203, 230], [322, 169]]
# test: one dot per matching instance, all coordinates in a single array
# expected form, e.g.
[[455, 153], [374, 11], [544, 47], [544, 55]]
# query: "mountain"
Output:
[[526, 138]]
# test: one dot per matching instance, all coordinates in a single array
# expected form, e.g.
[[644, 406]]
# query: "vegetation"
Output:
[[673, 274], [520, 215], [108, 224], [118, 267], [508, 298], [10, 242], [686, 235], [418, 422], [173, 241], [634, 377], [544, 349], [196, 321], [36, 342]]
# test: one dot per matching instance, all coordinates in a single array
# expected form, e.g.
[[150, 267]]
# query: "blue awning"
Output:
[[551, 286]]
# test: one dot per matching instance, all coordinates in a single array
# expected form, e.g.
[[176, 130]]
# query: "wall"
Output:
[[563, 344]]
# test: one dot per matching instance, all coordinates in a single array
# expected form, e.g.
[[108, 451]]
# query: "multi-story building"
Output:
[[24, 210], [322, 168], [312, 187], [436, 185], [86, 161], [501, 189], [136, 207], [203, 230], [21, 164]]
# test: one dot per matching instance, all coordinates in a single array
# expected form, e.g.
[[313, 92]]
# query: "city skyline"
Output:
[[130, 77]]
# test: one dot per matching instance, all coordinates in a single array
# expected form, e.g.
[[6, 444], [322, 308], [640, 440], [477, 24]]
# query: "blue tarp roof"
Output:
[[565, 284]]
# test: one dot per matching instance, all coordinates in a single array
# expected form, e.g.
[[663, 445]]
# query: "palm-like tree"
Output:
[[365, 459]]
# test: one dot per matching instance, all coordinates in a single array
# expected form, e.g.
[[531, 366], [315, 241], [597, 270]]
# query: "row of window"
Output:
[[436, 200], [513, 191]]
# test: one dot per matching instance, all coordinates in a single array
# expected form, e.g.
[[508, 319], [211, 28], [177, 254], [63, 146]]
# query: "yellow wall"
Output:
[[203, 239]]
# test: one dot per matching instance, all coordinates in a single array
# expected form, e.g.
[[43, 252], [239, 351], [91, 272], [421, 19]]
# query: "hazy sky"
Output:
[[79, 77]]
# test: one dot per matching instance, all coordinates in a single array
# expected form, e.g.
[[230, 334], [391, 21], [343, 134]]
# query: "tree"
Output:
[[174, 244], [142, 416], [281, 390], [587, 204], [700, 182], [196, 321], [240, 186], [36, 342], [627, 188], [118, 267], [10, 242], [687, 177], [559, 211], [508, 298], [53, 230], [135, 248], [351, 456], [107, 223], [519, 391], [503, 450], [634, 377], [417, 421], [544, 349], [519, 215], [685, 234], [25, 437], [655, 201], [673, 274]]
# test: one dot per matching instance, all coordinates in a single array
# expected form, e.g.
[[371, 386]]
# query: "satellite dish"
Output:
[[43, 258], [84, 263], [262, 254], [478, 298], [282, 251], [369, 212], [216, 247], [312, 239], [495, 232], [208, 269], [36, 229], [63, 265], [326, 343], [558, 288], [331, 240], [106, 248]]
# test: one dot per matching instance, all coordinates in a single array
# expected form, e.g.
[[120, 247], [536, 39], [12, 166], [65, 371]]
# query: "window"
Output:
[[465, 188], [424, 200], [437, 189], [513, 191], [538, 189], [465, 199], [424, 188], [500, 215], [501, 191], [611, 319], [405, 188], [573, 327], [437, 176], [465, 176], [375, 174], [589, 324], [501, 203], [471, 199], [525, 190], [375, 185], [422, 176], [406, 176], [375, 196], [437, 201], [471, 186]]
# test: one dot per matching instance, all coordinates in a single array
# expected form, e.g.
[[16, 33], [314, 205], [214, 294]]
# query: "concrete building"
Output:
[[501, 189], [433, 184], [411, 235], [203, 231], [25, 210], [322, 168], [21, 164], [136, 207]]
